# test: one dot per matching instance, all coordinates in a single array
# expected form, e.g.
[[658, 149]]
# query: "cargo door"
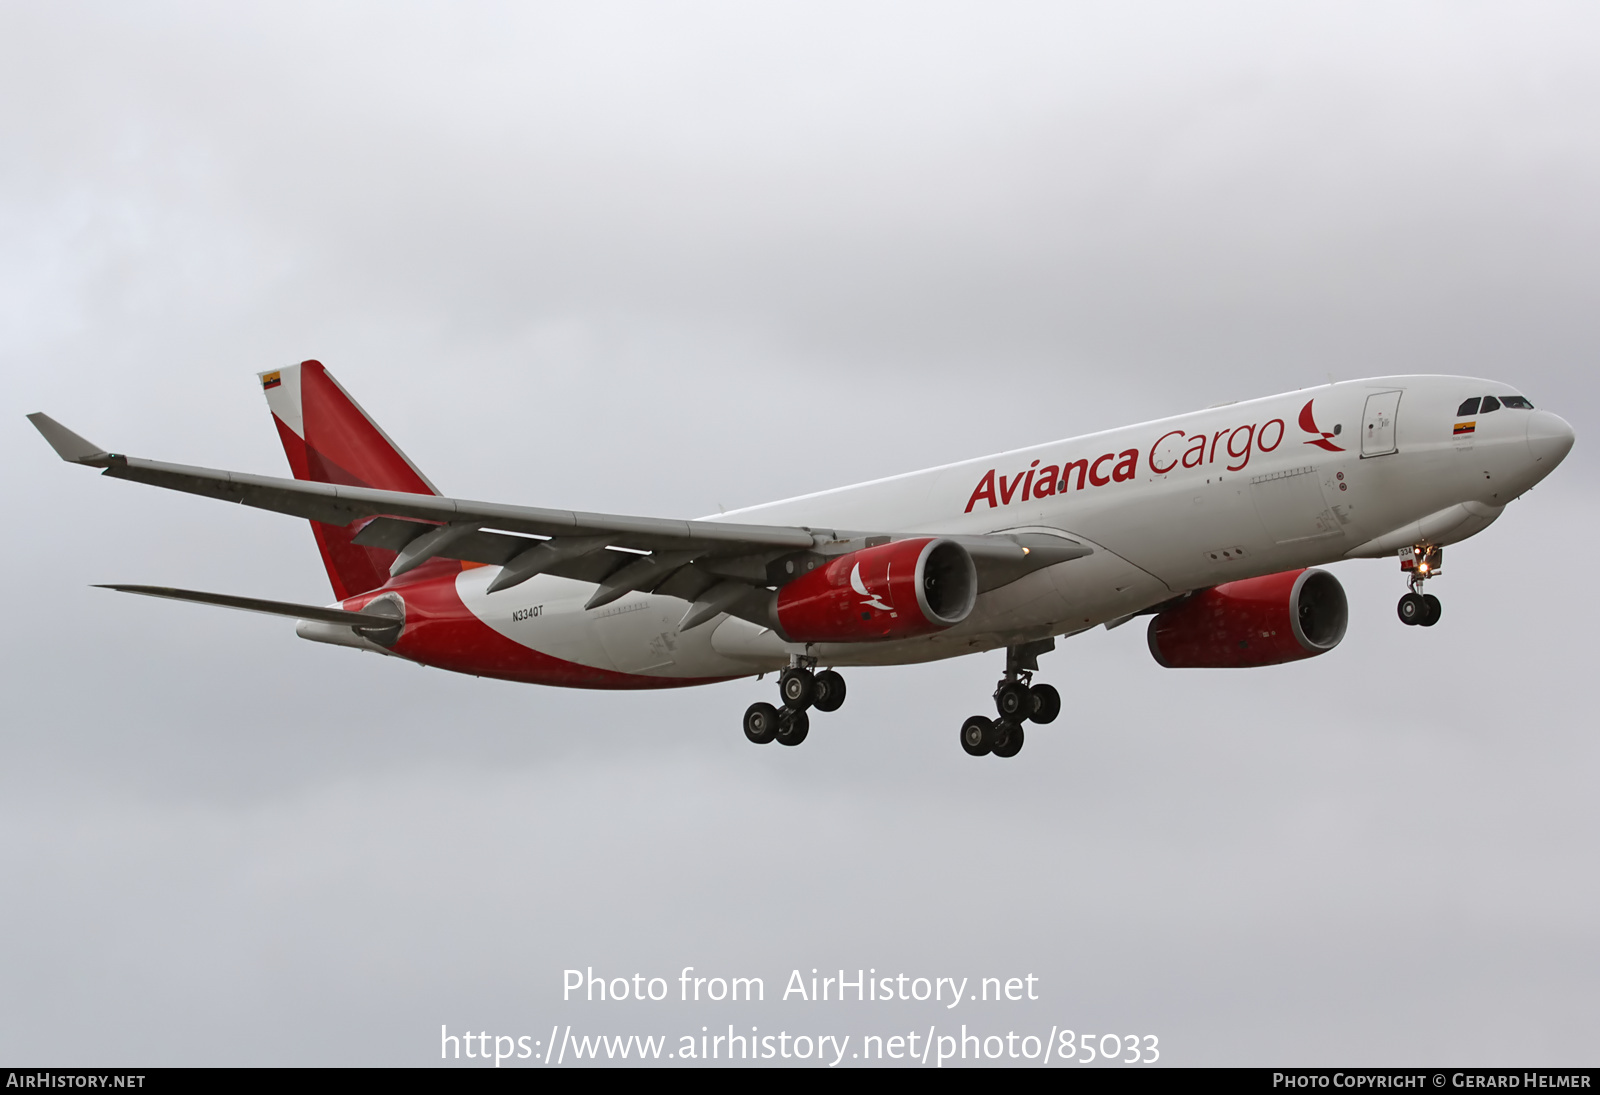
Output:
[[1377, 424], [639, 632], [1292, 505]]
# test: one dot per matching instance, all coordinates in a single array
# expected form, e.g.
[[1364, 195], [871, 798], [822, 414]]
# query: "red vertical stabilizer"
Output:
[[328, 438]]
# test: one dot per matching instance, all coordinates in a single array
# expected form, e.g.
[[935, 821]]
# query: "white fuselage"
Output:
[[1182, 503]]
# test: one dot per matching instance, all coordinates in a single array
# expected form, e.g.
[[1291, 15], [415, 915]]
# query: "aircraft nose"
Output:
[[1549, 439]]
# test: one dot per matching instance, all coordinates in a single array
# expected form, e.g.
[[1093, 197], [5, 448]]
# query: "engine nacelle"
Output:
[[1258, 621], [892, 591]]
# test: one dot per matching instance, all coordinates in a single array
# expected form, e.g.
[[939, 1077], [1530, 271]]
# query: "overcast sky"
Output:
[[662, 258]]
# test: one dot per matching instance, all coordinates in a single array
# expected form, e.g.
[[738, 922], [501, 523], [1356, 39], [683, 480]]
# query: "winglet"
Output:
[[68, 445]]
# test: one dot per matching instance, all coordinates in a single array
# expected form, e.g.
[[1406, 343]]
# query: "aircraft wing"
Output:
[[340, 505], [708, 563]]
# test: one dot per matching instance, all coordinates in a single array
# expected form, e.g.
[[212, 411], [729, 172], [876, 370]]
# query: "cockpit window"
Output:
[[1519, 402], [1490, 403], [1469, 407]]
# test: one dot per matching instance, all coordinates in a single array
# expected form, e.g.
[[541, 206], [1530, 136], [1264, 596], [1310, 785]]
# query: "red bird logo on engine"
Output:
[[872, 599], [1324, 439]]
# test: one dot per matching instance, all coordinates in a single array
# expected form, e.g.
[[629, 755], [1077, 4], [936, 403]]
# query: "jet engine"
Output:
[[892, 591], [1258, 621]]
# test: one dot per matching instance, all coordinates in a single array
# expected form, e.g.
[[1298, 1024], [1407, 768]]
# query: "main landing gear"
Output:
[[1419, 563], [1017, 700], [800, 688]]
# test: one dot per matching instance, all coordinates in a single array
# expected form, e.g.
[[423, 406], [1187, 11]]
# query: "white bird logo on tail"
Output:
[[860, 587]]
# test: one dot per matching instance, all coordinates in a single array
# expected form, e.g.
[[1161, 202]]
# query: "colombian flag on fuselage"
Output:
[[1465, 427]]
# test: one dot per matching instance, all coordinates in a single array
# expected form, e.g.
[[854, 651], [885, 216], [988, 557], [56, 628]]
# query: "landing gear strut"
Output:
[[1419, 563], [799, 687], [1016, 700]]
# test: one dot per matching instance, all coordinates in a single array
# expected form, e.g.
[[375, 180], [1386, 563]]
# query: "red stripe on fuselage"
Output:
[[442, 632]]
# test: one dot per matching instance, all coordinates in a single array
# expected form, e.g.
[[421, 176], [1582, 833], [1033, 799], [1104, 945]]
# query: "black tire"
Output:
[[976, 735], [793, 726], [1008, 738], [1412, 609], [1013, 700], [1434, 608], [830, 691], [798, 688], [1046, 704], [761, 722]]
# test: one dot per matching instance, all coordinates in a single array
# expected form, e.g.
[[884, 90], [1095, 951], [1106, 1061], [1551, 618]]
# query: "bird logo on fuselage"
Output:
[[1324, 438]]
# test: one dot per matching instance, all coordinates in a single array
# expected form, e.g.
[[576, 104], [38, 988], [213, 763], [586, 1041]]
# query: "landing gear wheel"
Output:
[[1008, 738], [793, 726], [798, 688], [829, 691], [761, 722], [1013, 700], [976, 734], [1412, 609], [1434, 608], [1046, 704]]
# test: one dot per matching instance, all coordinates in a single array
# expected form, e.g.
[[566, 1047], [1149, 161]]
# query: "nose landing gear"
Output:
[[800, 688], [1419, 563], [1016, 700]]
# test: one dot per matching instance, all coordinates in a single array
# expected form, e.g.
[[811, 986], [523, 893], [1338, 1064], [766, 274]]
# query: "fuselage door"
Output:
[[1377, 424], [1292, 505]]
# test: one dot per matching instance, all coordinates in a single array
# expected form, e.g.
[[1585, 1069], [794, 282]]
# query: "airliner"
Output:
[[1214, 524]]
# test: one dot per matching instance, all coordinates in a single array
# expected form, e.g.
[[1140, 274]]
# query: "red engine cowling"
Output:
[[893, 591], [1259, 621]]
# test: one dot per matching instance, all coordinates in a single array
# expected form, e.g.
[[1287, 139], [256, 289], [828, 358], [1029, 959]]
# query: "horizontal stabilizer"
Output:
[[374, 619], [68, 445]]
